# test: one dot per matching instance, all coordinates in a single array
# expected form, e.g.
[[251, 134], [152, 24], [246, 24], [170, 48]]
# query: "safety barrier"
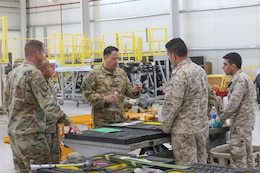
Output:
[[252, 71], [70, 50], [4, 42]]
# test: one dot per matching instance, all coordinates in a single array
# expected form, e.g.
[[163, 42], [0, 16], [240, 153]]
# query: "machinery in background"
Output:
[[145, 101], [67, 83], [153, 75], [257, 83]]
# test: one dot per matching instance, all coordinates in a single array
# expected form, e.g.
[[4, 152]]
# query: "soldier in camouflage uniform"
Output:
[[52, 132], [107, 85], [212, 99], [240, 111], [28, 101], [185, 107], [216, 101]]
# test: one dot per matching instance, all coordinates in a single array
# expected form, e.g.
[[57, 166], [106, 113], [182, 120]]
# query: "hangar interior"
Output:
[[75, 33]]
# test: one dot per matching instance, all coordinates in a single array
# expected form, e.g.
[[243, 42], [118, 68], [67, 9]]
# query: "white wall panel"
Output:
[[214, 28], [131, 24], [54, 15], [128, 16], [14, 40], [13, 20], [202, 4], [105, 16], [12, 11], [117, 9], [198, 32], [62, 17], [72, 29], [210, 28], [234, 27], [34, 3], [237, 27], [249, 58]]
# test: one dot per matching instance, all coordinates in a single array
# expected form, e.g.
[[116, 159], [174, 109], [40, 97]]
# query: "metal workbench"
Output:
[[134, 135], [69, 78]]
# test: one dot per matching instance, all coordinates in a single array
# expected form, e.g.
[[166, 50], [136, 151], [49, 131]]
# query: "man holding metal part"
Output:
[[105, 87]]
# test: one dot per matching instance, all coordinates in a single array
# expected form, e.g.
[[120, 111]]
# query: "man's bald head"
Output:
[[45, 68]]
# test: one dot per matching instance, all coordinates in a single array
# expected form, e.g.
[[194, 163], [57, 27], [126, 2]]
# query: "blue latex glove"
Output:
[[217, 125]]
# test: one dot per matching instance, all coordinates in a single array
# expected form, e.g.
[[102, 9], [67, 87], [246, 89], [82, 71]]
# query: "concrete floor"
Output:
[[70, 107], [6, 162]]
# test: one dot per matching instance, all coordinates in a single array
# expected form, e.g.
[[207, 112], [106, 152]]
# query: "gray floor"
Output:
[[71, 109], [6, 163]]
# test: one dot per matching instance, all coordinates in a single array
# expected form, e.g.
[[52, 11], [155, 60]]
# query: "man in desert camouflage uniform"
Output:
[[185, 107], [52, 132], [240, 111], [106, 85], [28, 103]]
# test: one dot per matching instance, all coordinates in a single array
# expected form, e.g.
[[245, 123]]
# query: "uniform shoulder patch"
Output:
[[44, 86], [41, 83]]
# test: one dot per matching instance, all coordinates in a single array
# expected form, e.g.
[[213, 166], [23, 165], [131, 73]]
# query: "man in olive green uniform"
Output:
[[28, 101], [52, 132], [214, 100], [105, 87], [211, 100]]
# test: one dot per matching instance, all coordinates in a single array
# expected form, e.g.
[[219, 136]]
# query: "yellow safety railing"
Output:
[[80, 50], [71, 49], [138, 44], [17, 47], [251, 71], [56, 49], [110, 39], [130, 49], [217, 80], [93, 51], [4, 41], [157, 38], [123, 41]]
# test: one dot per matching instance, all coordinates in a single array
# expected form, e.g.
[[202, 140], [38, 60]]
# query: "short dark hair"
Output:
[[32, 46], [234, 58], [108, 50], [177, 46]]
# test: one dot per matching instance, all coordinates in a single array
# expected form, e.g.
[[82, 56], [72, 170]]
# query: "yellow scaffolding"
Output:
[[71, 50], [157, 38], [251, 70], [93, 51], [4, 41], [137, 45]]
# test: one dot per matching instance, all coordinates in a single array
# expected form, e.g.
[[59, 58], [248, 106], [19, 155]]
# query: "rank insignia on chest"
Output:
[[44, 87]]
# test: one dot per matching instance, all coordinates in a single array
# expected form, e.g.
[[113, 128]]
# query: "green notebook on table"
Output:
[[106, 130]]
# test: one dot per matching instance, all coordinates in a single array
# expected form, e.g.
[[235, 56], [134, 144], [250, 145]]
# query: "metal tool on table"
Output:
[[140, 162], [88, 164]]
